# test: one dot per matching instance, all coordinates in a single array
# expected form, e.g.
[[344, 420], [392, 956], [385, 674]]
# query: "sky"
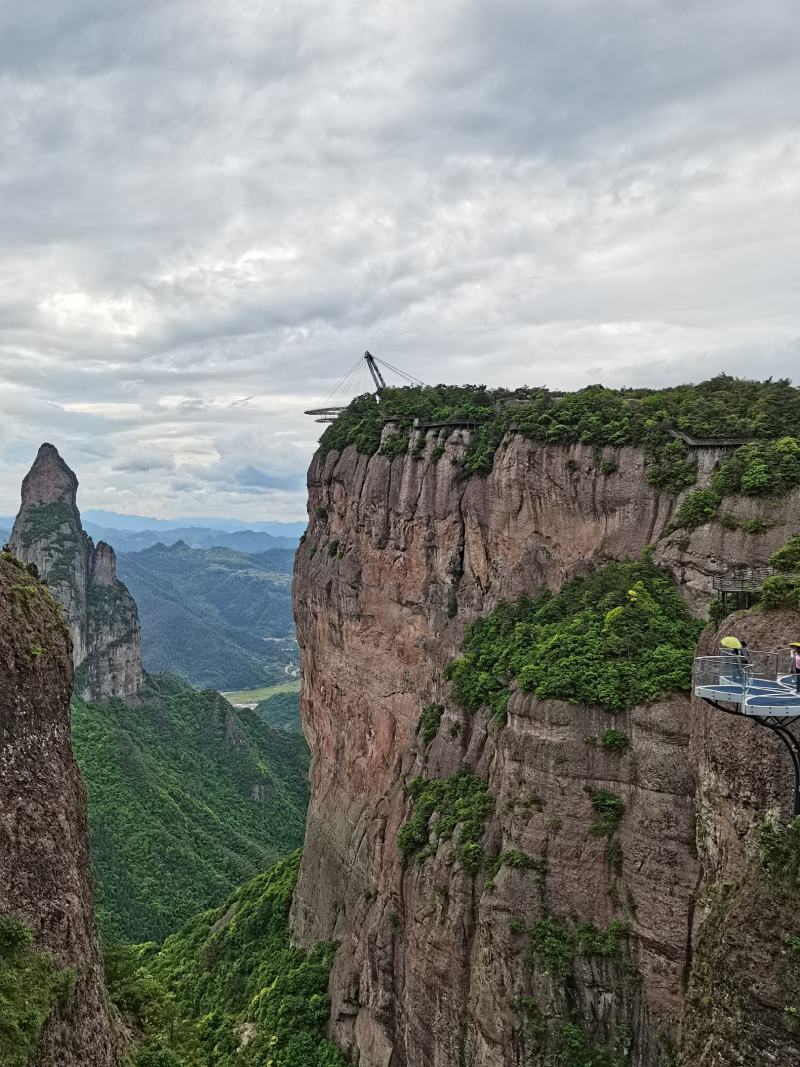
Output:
[[208, 210]]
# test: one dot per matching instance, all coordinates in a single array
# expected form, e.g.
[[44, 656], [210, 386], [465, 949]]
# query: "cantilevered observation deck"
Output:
[[759, 686]]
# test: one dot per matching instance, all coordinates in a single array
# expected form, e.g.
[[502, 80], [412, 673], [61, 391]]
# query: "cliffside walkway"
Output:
[[760, 688], [763, 686]]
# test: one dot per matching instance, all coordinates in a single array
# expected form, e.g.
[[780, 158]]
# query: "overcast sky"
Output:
[[207, 200]]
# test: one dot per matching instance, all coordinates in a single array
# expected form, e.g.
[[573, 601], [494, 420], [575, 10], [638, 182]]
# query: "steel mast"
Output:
[[375, 371]]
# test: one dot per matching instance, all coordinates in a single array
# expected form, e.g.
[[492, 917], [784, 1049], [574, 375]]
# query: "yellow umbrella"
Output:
[[794, 644], [730, 642]]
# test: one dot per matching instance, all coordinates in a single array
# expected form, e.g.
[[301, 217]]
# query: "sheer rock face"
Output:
[[45, 878], [99, 611], [399, 556], [696, 557], [745, 972]]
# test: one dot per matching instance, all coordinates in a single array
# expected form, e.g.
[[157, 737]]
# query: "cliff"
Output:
[[439, 964], [44, 849], [98, 609]]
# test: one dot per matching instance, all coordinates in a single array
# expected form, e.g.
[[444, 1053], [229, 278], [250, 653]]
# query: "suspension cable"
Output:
[[396, 370]]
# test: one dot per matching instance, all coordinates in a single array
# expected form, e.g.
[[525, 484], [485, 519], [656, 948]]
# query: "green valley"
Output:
[[218, 617], [229, 987], [187, 799], [263, 693]]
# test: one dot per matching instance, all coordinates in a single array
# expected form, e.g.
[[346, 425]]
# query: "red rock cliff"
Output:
[[45, 878], [431, 970]]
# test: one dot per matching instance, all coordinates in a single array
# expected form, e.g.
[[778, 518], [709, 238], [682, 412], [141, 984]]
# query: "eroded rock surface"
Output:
[[45, 879], [432, 969], [99, 611]]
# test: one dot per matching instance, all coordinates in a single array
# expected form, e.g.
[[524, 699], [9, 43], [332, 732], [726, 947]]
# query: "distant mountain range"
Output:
[[221, 619], [113, 520], [131, 533], [194, 536], [214, 600]]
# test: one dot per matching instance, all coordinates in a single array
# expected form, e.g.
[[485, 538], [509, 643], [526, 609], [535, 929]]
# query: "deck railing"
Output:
[[747, 671], [742, 579]]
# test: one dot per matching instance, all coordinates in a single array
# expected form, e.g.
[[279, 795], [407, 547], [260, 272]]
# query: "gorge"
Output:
[[527, 843]]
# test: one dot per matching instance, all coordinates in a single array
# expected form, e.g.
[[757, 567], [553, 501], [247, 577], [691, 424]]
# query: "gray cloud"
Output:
[[204, 202]]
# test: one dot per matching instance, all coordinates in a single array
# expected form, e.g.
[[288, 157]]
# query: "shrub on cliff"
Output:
[[30, 985], [429, 722], [783, 589], [780, 852], [620, 637], [444, 807], [758, 469], [720, 407], [787, 559]]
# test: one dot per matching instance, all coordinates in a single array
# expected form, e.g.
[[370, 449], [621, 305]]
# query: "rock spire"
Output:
[[99, 611]]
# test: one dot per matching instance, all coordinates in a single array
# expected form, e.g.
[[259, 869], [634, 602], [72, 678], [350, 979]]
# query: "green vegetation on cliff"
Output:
[[782, 589], [720, 407], [30, 985], [187, 799], [229, 988], [429, 722], [554, 944], [441, 808], [57, 526], [556, 948], [619, 637], [763, 468]]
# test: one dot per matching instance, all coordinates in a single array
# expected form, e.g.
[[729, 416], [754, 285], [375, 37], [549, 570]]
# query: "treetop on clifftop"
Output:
[[722, 407]]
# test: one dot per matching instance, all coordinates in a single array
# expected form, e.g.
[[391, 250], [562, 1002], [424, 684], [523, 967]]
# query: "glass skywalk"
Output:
[[760, 685]]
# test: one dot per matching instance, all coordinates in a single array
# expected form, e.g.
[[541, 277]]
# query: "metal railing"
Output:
[[742, 579], [718, 672], [753, 671]]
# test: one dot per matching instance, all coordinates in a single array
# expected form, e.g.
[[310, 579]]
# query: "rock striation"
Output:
[[45, 879], [434, 966], [101, 614]]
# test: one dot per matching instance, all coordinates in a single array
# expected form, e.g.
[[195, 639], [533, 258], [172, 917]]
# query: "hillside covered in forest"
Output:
[[219, 617], [187, 799]]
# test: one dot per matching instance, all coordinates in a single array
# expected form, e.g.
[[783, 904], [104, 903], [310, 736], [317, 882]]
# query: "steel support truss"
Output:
[[777, 727]]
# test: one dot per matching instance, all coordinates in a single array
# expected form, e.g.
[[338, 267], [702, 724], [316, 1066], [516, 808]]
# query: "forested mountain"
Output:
[[281, 711], [230, 989], [222, 619], [187, 799]]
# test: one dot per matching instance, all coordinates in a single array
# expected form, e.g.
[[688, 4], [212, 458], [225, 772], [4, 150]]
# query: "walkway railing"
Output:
[[740, 679]]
